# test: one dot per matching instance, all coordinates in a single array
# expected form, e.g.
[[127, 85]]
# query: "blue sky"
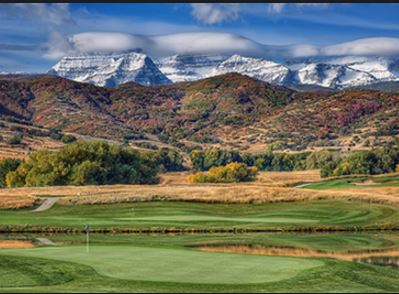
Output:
[[34, 36]]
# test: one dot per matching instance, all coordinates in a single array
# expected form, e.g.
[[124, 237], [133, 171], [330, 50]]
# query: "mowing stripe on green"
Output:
[[175, 265]]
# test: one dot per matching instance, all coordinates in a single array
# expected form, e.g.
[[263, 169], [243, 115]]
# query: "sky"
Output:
[[33, 37]]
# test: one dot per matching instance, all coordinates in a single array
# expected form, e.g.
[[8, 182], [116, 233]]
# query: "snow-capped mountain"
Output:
[[189, 67], [332, 72], [258, 68], [105, 69], [344, 72], [331, 76], [336, 73]]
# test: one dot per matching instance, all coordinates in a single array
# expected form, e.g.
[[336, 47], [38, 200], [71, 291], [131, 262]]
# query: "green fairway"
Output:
[[164, 214], [199, 218], [355, 182]]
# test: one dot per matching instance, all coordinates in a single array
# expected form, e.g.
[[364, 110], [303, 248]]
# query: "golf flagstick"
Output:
[[87, 238]]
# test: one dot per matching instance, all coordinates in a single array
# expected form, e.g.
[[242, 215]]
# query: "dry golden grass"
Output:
[[270, 187], [273, 179], [17, 201], [283, 179], [175, 178], [300, 252], [15, 244]]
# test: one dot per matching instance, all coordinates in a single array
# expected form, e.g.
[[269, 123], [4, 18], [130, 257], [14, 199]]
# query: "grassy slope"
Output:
[[355, 183], [202, 215]]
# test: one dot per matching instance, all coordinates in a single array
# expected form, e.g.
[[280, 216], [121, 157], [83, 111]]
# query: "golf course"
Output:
[[139, 263], [176, 238]]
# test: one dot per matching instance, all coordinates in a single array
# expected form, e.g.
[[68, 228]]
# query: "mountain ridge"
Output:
[[112, 69], [229, 111]]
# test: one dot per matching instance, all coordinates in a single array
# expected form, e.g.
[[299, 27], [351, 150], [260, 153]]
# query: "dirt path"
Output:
[[302, 185], [45, 241], [48, 203]]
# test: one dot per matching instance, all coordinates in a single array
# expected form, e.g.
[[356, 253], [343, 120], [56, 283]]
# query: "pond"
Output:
[[375, 248]]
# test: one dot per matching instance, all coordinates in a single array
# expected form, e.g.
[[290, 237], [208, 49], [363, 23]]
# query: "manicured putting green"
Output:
[[175, 265], [201, 218]]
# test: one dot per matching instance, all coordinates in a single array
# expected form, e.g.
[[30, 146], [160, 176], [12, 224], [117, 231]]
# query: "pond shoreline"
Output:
[[332, 229]]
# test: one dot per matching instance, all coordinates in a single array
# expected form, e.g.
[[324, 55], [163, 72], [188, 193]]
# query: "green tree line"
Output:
[[88, 163], [377, 161], [203, 160]]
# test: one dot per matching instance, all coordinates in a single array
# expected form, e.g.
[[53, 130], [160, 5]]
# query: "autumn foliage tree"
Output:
[[232, 173], [82, 163]]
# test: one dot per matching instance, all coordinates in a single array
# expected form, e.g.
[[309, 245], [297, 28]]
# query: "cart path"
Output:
[[303, 185], [47, 204], [45, 241]]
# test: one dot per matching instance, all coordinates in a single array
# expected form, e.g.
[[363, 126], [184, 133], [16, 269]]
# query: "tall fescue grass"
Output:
[[300, 252], [269, 187], [15, 244], [17, 201]]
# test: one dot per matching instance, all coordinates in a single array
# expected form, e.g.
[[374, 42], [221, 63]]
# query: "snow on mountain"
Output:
[[344, 72], [258, 68], [189, 67], [110, 70], [331, 76]]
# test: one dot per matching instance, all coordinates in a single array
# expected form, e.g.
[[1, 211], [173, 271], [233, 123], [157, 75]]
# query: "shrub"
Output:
[[15, 140], [66, 139], [232, 173], [146, 145], [7, 165], [55, 134], [204, 160], [170, 160]]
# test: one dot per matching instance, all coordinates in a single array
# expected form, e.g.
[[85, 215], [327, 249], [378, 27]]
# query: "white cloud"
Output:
[[210, 43], [57, 46], [97, 41], [303, 50], [184, 43], [276, 8], [211, 13], [368, 46], [206, 42]]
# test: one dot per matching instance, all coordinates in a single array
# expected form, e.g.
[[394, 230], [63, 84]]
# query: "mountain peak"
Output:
[[258, 68], [114, 68], [110, 69]]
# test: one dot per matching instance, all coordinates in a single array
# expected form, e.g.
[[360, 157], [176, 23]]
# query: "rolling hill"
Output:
[[228, 111]]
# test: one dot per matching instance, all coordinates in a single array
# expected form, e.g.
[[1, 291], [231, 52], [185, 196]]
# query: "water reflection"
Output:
[[391, 261], [383, 257]]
